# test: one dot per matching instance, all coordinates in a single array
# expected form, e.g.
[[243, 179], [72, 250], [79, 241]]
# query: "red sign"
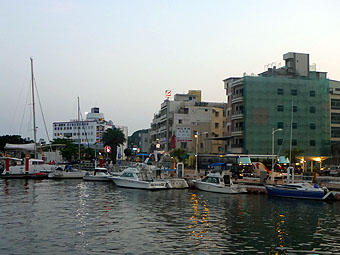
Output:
[[168, 93], [138, 150]]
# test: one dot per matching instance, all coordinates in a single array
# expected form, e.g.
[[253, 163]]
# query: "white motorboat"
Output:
[[133, 177], [67, 173], [99, 174], [219, 182]]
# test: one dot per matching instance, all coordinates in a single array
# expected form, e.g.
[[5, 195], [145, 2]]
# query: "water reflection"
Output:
[[75, 217]]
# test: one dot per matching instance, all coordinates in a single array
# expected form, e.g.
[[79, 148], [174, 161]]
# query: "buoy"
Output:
[[27, 164]]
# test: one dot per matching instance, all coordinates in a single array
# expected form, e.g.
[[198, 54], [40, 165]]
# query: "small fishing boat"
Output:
[[67, 173], [133, 177], [99, 174], [219, 182], [303, 190]]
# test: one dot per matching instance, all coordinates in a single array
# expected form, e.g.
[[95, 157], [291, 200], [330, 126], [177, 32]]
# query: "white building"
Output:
[[88, 132]]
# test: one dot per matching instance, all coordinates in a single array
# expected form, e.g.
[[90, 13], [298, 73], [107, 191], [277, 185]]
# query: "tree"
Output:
[[295, 152], [69, 151], [179, 154], [113, 137], [128, 152]]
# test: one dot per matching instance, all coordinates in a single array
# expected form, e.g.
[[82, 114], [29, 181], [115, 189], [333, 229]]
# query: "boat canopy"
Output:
[[244, 161], [283, 160], [25, 147]]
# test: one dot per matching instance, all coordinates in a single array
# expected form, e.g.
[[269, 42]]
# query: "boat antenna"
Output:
[[33, 112]]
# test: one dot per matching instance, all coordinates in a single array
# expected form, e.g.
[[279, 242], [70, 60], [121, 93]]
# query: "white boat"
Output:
[[133, 177], [219, 182], [99, 174], [67, 173], [17, 169]]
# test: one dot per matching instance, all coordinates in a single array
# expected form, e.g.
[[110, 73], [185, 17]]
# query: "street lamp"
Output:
[[273, 132]]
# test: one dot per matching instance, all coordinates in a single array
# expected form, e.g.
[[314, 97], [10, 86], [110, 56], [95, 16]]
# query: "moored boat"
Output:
[[133, 177], [68, 173], [99, 174], [303, 190], [219, 182]]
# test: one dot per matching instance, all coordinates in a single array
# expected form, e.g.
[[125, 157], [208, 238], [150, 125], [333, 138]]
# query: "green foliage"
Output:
[[113, 138], [295, 152], [179, 154], [69, 151], [128, 152]]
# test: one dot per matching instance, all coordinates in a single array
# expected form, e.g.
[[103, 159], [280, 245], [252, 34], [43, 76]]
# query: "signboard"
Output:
[[168, 93], [183, 134]]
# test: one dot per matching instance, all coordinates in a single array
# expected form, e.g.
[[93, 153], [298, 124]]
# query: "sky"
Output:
[[121, 56]]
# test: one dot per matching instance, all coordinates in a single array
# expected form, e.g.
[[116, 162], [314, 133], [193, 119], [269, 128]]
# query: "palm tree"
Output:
[[113, 137]]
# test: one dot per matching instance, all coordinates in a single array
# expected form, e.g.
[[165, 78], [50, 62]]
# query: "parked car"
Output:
[[334, 171]]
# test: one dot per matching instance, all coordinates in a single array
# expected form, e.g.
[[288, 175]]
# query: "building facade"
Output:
[[177, 122], [277, 104], [88, 132]]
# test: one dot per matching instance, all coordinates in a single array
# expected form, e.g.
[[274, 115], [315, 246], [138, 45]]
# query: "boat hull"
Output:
[[67, 175], [220, 188], [136, 184], [96, 178], [304, 194]]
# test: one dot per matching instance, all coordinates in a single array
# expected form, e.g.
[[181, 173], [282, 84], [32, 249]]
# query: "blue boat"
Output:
[[298, 190]]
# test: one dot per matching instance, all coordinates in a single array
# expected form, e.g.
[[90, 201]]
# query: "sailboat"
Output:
[[303, 190], [29, 167], [68, 172]]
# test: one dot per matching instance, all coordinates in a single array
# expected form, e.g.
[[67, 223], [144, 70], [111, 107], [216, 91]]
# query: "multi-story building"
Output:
[[278, 103], [335, 121], [140, 139], [177, 122], [88, 132]]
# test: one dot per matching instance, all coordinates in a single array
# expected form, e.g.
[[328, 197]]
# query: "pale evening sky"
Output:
[[122, 55]]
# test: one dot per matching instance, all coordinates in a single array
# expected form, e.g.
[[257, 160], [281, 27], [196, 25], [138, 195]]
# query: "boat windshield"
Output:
[[211, 180], [127, 175]]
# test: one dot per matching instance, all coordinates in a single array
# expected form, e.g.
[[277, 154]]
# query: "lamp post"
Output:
[[273, 132]]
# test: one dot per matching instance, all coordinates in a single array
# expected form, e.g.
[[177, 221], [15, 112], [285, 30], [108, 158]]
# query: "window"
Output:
[[312, 142], [216, 114], [201, 145], [217, 125], [180, 121], [280, 91], [294, 108], [312, 109], [280, 125], [294, 92], [335, 118], [335, 104], [294, 125], [335, 132], [280, 108], [312, 126], [312, 93], [294, 142], [279, 141]]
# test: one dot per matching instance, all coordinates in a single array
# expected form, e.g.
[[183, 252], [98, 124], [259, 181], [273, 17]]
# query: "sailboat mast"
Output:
[[78, 130], [33, 112]]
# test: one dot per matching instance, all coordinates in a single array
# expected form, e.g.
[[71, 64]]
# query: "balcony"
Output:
[[237, 115], [237, 98]]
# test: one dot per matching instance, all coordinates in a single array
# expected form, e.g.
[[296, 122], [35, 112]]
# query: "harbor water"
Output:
[[76, 217]]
